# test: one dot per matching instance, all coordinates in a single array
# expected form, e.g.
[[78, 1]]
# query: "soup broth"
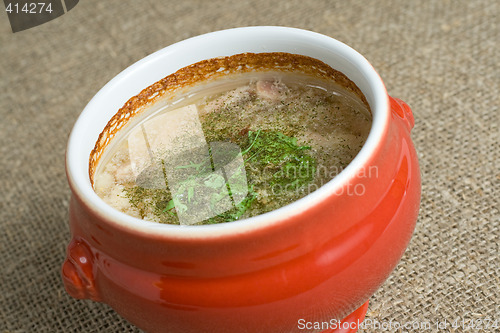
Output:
[[235, 148]]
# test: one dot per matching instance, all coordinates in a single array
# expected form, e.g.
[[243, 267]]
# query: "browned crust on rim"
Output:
[[205, 71]]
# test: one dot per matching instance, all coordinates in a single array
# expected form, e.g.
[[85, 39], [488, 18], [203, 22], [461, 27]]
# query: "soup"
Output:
[[232, 148]]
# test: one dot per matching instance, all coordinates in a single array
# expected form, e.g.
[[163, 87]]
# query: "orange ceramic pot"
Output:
[[307, 267]]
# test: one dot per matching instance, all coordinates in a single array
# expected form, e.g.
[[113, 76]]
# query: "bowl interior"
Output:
[[223, 43]]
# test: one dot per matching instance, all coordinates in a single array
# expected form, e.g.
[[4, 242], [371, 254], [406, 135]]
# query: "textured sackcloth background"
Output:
[[440, 56]]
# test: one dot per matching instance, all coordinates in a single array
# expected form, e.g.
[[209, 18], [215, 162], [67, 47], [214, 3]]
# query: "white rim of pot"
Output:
[[84, 133]]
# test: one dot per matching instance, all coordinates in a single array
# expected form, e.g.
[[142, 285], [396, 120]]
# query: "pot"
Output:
[[310, 266]]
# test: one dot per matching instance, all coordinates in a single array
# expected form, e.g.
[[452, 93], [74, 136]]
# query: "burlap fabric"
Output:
[[442, 57]]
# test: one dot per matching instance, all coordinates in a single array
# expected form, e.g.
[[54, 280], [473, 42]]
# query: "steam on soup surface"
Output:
[[237, 148]]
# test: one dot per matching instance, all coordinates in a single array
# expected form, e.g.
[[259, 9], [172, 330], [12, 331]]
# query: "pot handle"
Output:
[[403, 111], [78, 271]]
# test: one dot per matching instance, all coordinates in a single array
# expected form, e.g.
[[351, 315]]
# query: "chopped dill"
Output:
[[272, 161]]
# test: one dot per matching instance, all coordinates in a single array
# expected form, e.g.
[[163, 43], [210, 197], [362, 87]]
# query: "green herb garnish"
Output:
[[273, 163]]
